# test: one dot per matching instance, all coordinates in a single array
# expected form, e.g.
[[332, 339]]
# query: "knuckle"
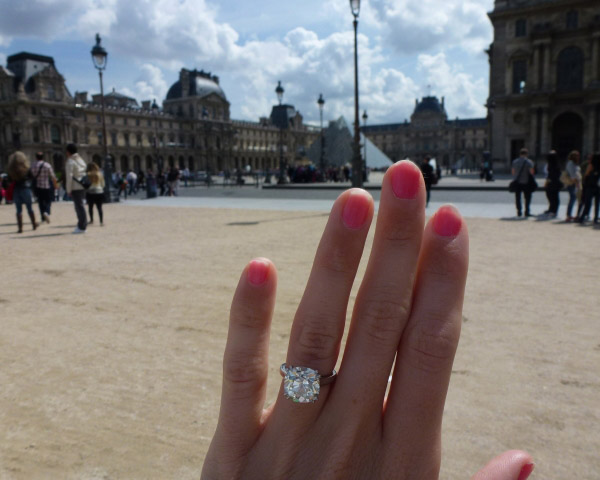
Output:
[[400, 233], [246, 372], [337, 261], [383, 320], [316, 343], [432, 351]]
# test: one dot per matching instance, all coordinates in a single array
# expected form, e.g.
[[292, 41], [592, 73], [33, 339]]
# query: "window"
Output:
[[33, 111], [113, 138], [98, 119], [112, 120], [139, 139], [36, 135], [572, 19], [51, 92], [149, 122], [125, 121], [126, 135], [137, 122], [569, 75], [521, 28], [55, 135], [519, 76]]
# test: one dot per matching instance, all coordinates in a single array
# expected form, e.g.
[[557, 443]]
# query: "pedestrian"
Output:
[[20, 173], [572, 179], [132, 182], [591, 190], [553, 184], [428, 176], [150, 185], [74, 173], [522, 170], [95, 194], [43, 185]]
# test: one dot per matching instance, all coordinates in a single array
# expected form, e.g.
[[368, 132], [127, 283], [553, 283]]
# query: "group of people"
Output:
[[83, 182], [582, 182]]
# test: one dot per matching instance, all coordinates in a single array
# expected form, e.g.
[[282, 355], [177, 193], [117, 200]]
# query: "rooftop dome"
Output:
[[429, 104], [200, 84]]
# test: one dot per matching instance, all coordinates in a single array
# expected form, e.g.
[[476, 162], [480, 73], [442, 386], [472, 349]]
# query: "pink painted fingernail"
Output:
[[447, 222], [258, 271], [526, 471], [356, 209], [406, 179]]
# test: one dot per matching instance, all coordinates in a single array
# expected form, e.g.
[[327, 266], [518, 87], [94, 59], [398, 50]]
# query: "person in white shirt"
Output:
[[74, 172]]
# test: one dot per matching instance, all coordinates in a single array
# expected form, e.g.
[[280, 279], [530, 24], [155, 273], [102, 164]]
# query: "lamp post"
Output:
[[279, 91], [357, 174], [99, 57], [365, 117], [491, 106], [321, 103], [156, 144]]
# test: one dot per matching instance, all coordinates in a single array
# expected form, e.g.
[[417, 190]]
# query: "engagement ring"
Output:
[[303, 384]]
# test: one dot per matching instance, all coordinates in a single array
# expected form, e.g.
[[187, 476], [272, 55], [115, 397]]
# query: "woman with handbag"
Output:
[[591, 191], [95, 193], [553, 184], [571, 177], [20, 173]]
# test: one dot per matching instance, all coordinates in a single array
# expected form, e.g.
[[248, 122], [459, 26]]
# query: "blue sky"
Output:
[[407, 48]]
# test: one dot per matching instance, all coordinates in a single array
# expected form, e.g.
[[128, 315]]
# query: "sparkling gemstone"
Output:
[[301, 384]]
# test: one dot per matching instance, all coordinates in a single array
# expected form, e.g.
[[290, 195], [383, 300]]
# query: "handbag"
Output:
[[84, 181], [532, 185]]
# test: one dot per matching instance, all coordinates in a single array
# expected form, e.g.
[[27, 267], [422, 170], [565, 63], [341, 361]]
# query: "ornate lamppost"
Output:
[[357, 174], [321, 103], [279, 91], [100, 57], [365, 117]]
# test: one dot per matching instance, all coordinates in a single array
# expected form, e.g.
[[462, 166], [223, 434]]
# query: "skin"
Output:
[[405, 322]]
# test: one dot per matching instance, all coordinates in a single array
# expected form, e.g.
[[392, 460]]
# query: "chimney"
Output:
[[81, 97], [146, 105], [184, 79], [442, 102]]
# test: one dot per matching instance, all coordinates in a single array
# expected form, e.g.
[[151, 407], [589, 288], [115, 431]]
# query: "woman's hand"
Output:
[[405, 322]]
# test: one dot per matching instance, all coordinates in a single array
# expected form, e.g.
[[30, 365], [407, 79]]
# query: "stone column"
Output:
[[547, 73], [595, 58], [545, 140], [535, 80]]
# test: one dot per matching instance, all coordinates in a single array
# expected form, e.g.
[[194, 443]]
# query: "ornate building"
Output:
[[544, 77], [452, 142], [193, 128]]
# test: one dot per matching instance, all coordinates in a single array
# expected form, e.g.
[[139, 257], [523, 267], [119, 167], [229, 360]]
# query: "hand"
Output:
[[405, 321]]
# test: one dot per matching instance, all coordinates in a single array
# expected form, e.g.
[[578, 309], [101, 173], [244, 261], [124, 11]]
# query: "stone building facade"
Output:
[[454, 143], [193, 128], [544, 78]]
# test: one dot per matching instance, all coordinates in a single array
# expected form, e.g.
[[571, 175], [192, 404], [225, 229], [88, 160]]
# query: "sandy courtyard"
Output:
[[111, 342]]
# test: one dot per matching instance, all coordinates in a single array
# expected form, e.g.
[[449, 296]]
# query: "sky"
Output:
[[407, 49]]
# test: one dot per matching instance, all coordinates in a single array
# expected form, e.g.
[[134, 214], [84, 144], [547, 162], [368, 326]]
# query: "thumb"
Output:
[[511, 465]]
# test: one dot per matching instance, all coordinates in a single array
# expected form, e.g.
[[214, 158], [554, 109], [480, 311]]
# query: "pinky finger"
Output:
[[511, 465], [245, 363]]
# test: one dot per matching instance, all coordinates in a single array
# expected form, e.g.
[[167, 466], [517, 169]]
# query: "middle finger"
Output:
[[384, 299]]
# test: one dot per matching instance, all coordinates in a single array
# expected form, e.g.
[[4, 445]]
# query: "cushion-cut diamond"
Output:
[[301, 384]]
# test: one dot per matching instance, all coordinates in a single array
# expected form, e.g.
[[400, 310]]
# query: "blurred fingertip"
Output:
[[447, 221], [259, 271]]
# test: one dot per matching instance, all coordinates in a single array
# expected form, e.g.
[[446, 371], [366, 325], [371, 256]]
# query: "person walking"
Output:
[[591, 190], [428, 176], [74, 172], [553, 184], [572, 179], [20, 173], [95, 194], [522, 168], [43, 185]]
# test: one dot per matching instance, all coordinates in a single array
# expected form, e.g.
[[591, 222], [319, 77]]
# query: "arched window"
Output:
[[55, 134], [519, 77], [570, 70], [572, 19]]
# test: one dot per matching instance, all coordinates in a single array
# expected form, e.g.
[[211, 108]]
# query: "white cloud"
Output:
[[463, 93], [151, 83]]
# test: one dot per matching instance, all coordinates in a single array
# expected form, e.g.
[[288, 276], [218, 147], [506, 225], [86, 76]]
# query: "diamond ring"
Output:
[[303, 384]]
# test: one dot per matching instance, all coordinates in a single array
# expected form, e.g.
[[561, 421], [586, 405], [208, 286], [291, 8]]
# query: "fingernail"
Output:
[[356, 209], [258, 271], [406, 179], [526, 471], [447, 222]]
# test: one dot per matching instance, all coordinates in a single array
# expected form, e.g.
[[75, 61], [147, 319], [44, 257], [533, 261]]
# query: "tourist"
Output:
[[572, 180], [406, 323], [591, 190], [74, 172], [428, 176], [132, 182], [20, 173], [95, 194], [43, 185], [522, 172], [553, 184]]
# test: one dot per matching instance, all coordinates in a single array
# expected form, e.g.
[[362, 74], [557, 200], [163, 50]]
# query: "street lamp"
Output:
[[156, 145], [321, 103], [279, 91], [99, 57], [357, 174], [365, 117]]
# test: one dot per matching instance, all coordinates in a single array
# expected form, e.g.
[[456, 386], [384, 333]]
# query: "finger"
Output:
[[511, 465], [383, 302], [424, 362], [319, 322], [245, 363]]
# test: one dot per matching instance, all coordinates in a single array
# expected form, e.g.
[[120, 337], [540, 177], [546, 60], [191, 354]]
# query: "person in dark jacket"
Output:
[[591, 190], [20, 173], [553, 184], [428, 176]]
